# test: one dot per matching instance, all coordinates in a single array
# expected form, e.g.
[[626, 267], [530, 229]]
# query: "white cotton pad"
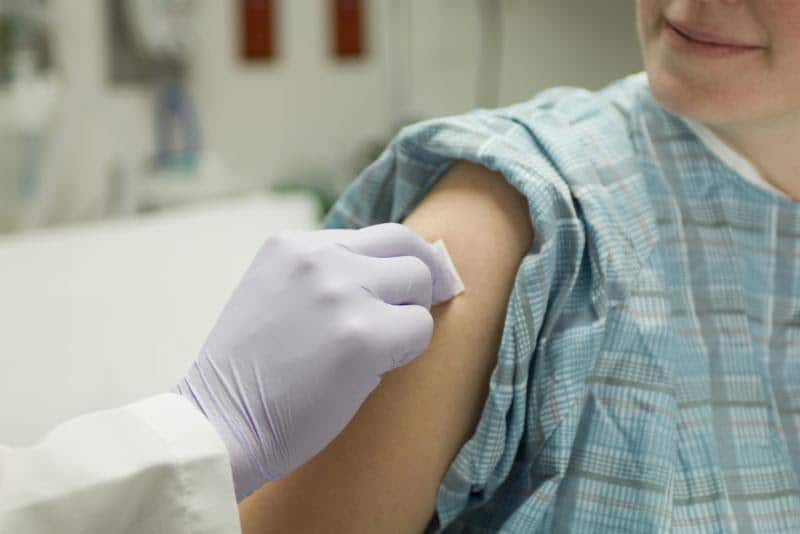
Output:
[[447, 283]]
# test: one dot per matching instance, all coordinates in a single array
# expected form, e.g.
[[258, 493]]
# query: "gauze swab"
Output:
[[447, 283]]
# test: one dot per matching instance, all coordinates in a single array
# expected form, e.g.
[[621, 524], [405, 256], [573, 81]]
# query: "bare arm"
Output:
[[382, 473]]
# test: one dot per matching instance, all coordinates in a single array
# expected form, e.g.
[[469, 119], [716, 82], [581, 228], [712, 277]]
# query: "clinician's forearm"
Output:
[[382, 473]]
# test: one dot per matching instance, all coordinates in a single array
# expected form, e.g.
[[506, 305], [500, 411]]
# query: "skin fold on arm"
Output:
[[381, 474]]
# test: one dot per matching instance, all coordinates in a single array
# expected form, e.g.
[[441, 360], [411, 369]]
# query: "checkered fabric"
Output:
[[648, 377]]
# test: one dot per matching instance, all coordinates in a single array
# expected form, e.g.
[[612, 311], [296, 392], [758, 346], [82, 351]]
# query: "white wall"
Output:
[[545, 43], [567, 42], [303, 107], [305, 110]]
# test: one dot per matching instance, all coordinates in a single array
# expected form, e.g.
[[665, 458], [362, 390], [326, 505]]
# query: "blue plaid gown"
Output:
[[648, 378]]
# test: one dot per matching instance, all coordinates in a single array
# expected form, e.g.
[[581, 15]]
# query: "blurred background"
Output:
[[115, 107], [148, 147]]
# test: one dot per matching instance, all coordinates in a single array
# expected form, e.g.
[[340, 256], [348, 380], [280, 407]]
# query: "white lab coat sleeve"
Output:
[[153, 466]]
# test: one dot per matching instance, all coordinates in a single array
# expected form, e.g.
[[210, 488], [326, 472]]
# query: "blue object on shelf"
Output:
[[178, 136]]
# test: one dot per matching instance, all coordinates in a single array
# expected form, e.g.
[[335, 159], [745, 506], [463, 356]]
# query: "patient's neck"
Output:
[[772, 146]]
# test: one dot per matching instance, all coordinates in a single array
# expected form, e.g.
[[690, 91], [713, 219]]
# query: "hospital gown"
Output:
[[648, 376]]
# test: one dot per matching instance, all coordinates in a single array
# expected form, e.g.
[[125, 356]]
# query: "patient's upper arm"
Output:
[[381, 474]]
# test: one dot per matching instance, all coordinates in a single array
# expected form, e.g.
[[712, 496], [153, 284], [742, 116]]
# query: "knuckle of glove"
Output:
[[287, 251], [331, 294], [276, 245], [306, 264], [354, 337]]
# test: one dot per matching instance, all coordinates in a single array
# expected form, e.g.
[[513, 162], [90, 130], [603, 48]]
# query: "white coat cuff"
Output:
[[200, 457]]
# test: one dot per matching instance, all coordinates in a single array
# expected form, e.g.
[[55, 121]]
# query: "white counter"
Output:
[[96, 316]]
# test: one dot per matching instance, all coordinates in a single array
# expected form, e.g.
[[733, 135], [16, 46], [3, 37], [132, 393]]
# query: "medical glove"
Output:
[[305, 337]]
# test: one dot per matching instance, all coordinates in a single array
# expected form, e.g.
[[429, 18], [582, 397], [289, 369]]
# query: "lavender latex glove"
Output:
[[305, 337]]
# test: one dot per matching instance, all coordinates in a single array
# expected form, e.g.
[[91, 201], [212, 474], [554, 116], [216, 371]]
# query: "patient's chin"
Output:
[[709, 103]]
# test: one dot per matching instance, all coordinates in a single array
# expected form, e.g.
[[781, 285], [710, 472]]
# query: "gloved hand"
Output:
[[305, 337]]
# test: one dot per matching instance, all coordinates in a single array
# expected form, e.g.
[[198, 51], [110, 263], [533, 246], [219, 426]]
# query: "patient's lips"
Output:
[[711, 37], [708, 43]]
